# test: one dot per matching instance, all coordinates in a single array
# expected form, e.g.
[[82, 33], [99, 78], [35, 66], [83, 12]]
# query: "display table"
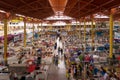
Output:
[[13, 60], [45, 70], [47, 60], [18, 68], [4, 76]]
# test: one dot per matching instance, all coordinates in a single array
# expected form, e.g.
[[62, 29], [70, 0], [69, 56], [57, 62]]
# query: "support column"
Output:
[[80, 30], [33, 32], [69, 26], [77, 31], [84, 74], [84, 31], [5, 37], [50, 26], [66, 27], [92, 31], [25, 32], [40, 26], [77, 34], [76, 24], [111, 36]]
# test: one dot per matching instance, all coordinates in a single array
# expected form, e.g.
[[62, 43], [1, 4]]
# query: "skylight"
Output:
[[100, 16], [2, 11], [59, 16], [20, 15], [59, 23]]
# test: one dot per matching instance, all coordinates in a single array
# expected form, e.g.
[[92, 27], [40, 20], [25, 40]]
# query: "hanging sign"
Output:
[[117, 37], [64, 33], [16, 38]]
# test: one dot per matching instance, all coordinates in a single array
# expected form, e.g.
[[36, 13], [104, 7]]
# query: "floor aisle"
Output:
[[56, 73]]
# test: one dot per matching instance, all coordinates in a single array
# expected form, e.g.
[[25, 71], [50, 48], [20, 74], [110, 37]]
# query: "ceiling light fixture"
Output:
[[2, 11]]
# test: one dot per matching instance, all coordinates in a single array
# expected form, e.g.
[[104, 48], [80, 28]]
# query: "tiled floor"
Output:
[[57, 73]]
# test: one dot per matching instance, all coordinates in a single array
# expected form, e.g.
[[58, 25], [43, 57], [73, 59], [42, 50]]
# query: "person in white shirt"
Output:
[[106, 76]]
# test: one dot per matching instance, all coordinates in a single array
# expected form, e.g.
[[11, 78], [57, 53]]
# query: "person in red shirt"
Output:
[[31, 67], [87, 59], [118, 58]]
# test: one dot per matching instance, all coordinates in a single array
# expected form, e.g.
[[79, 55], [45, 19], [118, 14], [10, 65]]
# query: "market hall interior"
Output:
[[60, 40]]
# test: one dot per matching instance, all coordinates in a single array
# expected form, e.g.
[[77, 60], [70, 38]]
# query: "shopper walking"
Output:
[[68, 73], [11, 76], [56, 60], [55, 46], [39, 60], [29, 76], [23, 77]]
